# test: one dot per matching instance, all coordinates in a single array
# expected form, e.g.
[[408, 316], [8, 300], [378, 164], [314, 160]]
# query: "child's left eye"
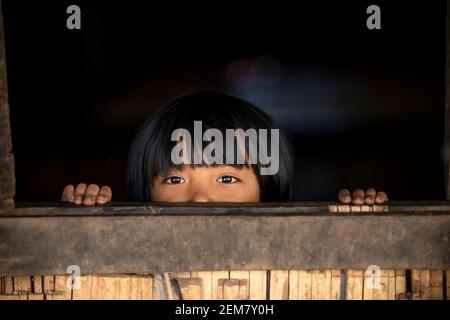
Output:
[[174, 180], [227, 179]]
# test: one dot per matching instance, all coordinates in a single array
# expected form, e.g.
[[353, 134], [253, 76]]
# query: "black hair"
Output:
[[149, 154]]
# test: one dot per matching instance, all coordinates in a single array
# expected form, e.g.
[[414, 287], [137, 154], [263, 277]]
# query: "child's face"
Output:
[[207, 184]]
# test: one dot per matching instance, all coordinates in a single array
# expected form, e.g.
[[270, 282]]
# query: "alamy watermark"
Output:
[[74, 278], [235, 139]]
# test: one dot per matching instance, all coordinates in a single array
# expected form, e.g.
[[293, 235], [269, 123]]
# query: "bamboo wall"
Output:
[[238, 285]]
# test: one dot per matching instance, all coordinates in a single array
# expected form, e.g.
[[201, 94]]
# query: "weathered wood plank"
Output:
[[355, 284], [9, 297], [335, 285], [436, 285], [49, 283], [279, 284], [447, 109], [293, 285], [7, 177], [190, 288], [230, 289], [22, 284], [114, 287], [220, 288], [321, 284], [8, 285], [35, 296], [37, 284], [243, 289], [217, 278], [61, 289], [447, 276], [217, 208], [84, 292], [258, 285], [427, 284], [304, 284], [139, 244], [143, 287], [391, 292], [206, 283], [416, 284], [400, 285], [242, 275]]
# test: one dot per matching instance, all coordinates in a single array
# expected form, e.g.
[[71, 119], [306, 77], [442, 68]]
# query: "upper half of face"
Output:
[[207, 184]]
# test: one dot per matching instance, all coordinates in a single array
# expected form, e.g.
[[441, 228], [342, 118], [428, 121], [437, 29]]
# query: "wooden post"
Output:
[[7, 178], [446, 151]]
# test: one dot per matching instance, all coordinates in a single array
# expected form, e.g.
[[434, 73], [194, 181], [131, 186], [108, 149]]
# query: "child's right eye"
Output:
[[174, 180]]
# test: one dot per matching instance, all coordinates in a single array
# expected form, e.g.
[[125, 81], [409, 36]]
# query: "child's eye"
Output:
[[174, 180], [227, 179]]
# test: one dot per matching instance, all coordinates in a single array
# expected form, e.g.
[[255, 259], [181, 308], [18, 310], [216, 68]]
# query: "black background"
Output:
[[363, 108]]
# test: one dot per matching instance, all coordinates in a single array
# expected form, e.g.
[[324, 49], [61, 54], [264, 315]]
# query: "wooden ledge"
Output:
[[160, 238], [54, 209]]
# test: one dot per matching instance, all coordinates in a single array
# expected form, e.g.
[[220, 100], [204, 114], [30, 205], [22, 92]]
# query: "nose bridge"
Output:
[[200, 196], [200, 192]]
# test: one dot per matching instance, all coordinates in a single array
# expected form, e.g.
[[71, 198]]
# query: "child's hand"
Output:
[[86, 195], [359, 197]]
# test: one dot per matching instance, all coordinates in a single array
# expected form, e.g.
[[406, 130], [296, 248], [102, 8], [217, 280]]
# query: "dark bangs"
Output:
[[150, 152]]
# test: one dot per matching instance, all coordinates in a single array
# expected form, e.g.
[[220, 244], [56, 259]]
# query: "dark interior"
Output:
[[363, 108]]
